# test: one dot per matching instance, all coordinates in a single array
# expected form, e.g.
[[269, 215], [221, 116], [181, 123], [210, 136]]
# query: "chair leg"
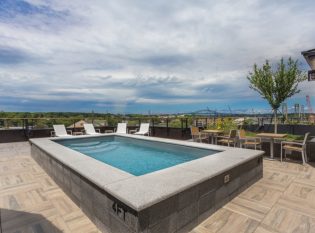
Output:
[[281, 154], [303, 158]]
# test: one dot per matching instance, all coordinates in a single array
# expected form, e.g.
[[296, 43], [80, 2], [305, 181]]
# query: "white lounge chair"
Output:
[[144, 129], [121, 128], [60, 131], [90, 130]]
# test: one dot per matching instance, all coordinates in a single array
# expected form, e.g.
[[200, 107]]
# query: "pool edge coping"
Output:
[[121, 185]]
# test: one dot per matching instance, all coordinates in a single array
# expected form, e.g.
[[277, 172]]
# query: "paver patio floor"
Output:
[[30, 201]]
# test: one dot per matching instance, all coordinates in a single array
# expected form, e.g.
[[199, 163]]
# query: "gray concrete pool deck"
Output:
[[283, 201]]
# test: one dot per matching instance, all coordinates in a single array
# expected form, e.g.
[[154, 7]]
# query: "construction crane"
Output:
[[230, 110], [309, 105]]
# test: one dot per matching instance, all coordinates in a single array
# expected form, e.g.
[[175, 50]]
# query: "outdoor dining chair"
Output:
[[248, 141], [229, 139], [295, 146], [198, 136]]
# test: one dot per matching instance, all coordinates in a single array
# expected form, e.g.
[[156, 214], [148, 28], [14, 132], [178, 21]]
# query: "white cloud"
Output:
[[146, 52]]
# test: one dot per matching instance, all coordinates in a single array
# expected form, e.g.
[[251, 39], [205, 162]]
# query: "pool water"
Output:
[[135, 156]]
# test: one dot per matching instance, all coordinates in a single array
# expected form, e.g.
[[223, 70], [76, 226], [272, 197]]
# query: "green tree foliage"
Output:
[[226, 124], [276, 85], [175, 123]]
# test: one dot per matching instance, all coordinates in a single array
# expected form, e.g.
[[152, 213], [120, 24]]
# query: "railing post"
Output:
[[182, 126], [167, 129], [153, 128], [26, 128], [73, 126]]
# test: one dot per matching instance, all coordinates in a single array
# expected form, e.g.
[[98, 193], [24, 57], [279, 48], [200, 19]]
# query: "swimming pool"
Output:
[[166, 196], [135, 156]]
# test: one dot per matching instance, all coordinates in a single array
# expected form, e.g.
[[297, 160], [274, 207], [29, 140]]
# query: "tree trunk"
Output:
[[276, 120]]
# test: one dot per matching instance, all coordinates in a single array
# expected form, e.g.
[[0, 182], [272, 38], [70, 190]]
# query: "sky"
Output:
[[137, 56]]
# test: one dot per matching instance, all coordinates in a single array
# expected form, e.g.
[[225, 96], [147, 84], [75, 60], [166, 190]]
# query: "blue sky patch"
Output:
[[13, 8]]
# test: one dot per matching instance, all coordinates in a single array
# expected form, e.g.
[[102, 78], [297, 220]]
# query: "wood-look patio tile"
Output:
[[247, 208], [261, 195], [201, 229], [283, 201], [264, 229], [276, 180], [284, 219], [289, 167], [301, 198], [225, 220]]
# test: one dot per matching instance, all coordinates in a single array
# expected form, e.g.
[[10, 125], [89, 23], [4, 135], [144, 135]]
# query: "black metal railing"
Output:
[[21, 129]]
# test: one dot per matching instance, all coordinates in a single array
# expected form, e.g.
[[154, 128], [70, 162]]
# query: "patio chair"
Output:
[[61, 131], [198, 136], [90, 130], [248, 141], [121, 128], [229, 139], [295, 146], [144, 129]]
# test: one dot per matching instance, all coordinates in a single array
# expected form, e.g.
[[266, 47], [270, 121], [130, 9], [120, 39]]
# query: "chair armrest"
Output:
[[255, 139], [69, 131], [291, 143], [225, 137], [52, 133]]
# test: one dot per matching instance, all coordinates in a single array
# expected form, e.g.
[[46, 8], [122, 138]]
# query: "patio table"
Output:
[[213, 133], [272, 137]]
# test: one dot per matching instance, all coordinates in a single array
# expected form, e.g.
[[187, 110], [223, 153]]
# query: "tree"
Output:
[[276, 85]]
